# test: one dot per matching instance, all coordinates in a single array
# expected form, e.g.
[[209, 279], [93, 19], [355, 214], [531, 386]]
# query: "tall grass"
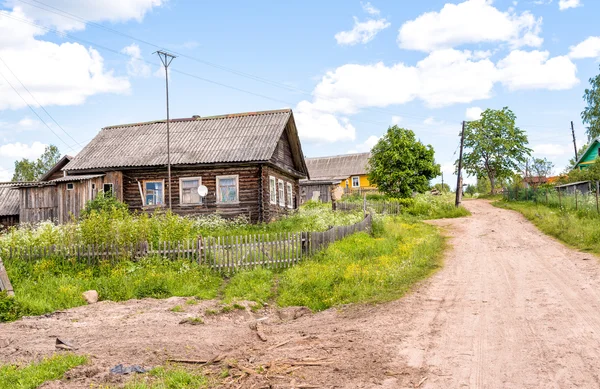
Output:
[[35, 374], [363, 268], [118, 226], [47, 285], [580, 229]]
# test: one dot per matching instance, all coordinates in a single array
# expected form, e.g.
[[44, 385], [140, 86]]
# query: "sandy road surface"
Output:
[[511, 308]]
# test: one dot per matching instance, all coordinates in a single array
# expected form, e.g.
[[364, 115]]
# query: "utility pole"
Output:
[[442, 182], [458, 178], [166, 60], [574, 143]]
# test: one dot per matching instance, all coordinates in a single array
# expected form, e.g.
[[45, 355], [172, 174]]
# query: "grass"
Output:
[[580, 229], [253, 285], [170, 377], [48, 285], [364, 268], [35, 374]]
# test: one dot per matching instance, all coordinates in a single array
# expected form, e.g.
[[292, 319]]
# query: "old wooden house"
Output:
[[9, 206], [251, 164], [347, 171]]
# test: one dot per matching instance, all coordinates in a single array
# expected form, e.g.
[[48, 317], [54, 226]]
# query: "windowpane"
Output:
[[189, 191], [154, 193], [272, 190], [355, 181], [281, 193], [227, 190], [290, 197]]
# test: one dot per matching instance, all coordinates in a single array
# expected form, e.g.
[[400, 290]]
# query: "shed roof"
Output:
[[571, 184], [9, 201], [338, 167], [243, 137], [57, 167]]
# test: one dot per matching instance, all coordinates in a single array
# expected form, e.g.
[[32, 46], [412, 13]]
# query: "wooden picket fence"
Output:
[[4, 281], [224, 253]]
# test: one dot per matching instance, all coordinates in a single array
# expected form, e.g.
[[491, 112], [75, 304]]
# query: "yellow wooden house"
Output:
[[348, 171]]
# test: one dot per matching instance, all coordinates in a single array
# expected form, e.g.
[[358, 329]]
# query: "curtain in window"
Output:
[[154, 193], [227, 190], [189, 192]]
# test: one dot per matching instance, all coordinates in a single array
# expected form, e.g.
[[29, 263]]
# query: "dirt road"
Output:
[[511, 308]]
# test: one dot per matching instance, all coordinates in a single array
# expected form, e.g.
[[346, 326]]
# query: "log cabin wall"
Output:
[[274, 211], [248, 190]]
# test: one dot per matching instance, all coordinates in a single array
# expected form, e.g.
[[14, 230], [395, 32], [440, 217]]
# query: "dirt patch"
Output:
[[512, 308]]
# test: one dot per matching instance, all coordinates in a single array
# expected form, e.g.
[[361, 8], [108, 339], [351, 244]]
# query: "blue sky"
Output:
[[348, 69]]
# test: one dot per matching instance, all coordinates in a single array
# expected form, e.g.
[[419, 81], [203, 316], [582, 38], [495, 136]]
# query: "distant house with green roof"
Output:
[[589, 156]]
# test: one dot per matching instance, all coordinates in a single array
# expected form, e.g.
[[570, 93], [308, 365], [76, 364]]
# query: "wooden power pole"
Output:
[[460, 157], [574, 143]]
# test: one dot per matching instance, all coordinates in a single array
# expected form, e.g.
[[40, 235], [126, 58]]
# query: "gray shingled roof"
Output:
[[244, 137], [338, 167], [9, 201]]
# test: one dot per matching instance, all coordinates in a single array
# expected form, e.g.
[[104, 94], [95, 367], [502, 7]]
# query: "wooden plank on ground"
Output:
[[4, 281]]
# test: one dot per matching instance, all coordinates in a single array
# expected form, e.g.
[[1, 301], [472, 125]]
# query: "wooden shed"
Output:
[[9, 206]]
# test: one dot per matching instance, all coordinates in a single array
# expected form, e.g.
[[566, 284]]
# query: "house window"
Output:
[[281, 193], [188, 191], [107, 189], [154, 193], [227, 189], [93, 186], [355, 181], [290, 196], [272, 190], [70, 186]]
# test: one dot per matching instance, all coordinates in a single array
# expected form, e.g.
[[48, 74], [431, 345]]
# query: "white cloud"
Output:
[[552, 150], [136, 67], [365, 146], [95, 11], [316, 125], [431, 121], [368, 8], [589, 48], [535, 70], [473, 113], [396, 120], [363, 32], [5, 175], [472, 21], [21, 150], [56, 74], [566, 4]]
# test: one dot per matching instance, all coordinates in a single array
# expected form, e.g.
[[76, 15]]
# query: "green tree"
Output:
[[471, 190], [26, 170], [573, 161], [400, 164], [495, 146], [483, 185], [443, 188], [540, 167], [591, 113]]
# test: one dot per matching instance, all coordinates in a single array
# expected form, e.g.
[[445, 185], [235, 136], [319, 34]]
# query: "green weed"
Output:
[[362, 268], [35, 374], [177, 308], [253, 285], [169, 378]]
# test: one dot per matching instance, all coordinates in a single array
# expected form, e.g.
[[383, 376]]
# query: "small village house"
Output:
[[346, 171], [589, 156], [9, 206], [251, 164]]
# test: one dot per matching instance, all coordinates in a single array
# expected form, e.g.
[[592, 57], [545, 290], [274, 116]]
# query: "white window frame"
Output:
[[72, 185], [112, 187], [181, 180], [289, 194], [162, 203], [272, 190], [352, 179], [237, 192], [281, 192]]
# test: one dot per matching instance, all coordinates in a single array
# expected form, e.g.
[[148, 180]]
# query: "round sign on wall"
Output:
[[202, 191]]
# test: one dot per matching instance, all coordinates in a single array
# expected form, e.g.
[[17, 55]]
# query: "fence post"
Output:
[[576, 205], [559, 198], [200, 249], [597, 189], [546, 196]]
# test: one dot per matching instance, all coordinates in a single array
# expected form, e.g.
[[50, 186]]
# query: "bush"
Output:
[[10, 308]]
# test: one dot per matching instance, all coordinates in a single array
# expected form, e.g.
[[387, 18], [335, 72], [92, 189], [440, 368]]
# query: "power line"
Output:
[[34, 111], [37, 102]]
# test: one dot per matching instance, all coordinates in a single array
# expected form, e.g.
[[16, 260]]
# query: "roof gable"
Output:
[[337, 167], [56, 168], [246, 137], [585, 157]]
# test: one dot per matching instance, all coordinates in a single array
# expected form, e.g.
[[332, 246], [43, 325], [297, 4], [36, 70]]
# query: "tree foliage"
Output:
[[443, 188], [591, 113], [573, 161], [26, 170], [540, 167], [495, 146], [400, 164]]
